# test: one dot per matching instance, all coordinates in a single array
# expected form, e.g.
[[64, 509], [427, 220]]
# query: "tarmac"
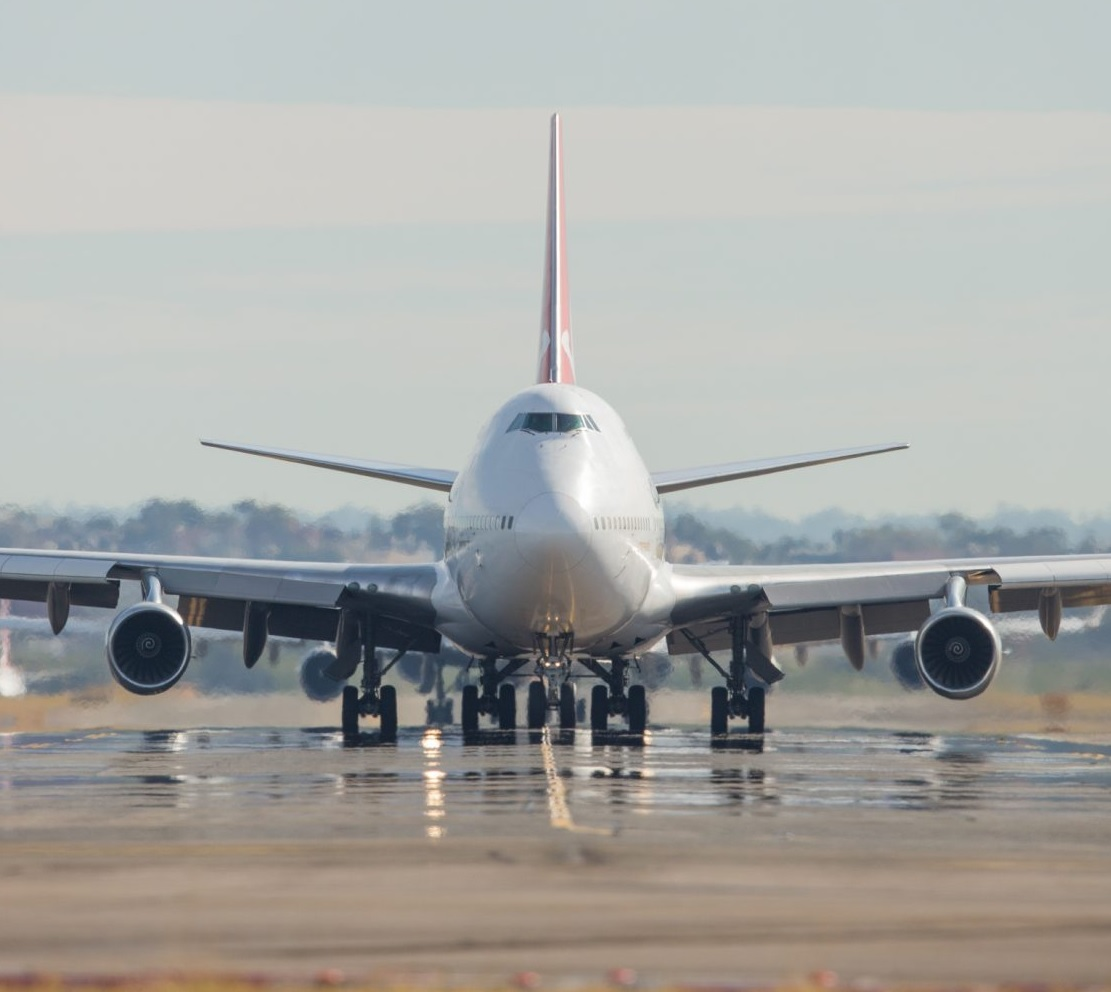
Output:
[[909, 855]]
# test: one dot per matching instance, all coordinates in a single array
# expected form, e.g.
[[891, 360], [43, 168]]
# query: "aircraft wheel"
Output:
[[470, 709], [507, 706], [567, 707], [350, 712], [638, 709], [537, 706], [599, 708], [756, 701], [387, 714], [719, 711]]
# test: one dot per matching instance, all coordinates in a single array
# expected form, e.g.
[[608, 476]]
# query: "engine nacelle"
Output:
[[317, 684], [957, 652], [148, 648]]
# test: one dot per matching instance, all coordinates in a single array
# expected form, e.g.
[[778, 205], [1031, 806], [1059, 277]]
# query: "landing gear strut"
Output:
[[374, 699], [738, 698]]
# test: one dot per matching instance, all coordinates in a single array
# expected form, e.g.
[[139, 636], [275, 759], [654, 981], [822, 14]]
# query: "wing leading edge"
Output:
[[689, 478], [438, 479]]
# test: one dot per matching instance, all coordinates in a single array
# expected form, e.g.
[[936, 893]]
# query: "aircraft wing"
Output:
[[811, 602], [440, 479], [689, 478], [303, 599]]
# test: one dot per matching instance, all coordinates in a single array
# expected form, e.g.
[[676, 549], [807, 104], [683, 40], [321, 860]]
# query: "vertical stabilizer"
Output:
[[557, 362]]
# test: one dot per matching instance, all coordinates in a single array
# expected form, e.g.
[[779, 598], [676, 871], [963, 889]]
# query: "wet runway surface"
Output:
[[904, 855], [436, 782]]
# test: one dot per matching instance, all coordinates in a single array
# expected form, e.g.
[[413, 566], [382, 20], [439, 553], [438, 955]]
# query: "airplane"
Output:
[[554, 569]]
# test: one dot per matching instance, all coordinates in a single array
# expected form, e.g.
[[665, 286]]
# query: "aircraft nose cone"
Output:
[[553, 532]]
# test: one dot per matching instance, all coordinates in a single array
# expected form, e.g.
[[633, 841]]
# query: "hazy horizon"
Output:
[[792, 227]]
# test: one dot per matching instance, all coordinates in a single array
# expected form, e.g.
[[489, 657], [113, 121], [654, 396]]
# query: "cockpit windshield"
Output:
[[552, 423]]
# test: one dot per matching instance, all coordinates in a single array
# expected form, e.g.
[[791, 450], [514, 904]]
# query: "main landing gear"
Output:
[[371, 698], [615, 697], [493, 696], [552, 692], [739, 698]]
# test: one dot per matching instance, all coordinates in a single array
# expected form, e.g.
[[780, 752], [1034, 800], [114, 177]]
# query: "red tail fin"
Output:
[[557, 362]]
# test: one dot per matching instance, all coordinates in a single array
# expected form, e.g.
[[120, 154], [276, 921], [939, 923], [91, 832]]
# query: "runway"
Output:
[[437, 783], [895, 855]]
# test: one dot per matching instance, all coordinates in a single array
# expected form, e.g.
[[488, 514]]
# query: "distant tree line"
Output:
[[259, 530], [245, 530], [950, 535]]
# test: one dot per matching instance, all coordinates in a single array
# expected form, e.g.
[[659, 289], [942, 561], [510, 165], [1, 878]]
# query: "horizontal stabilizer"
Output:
[[425, 478], [670, 482]]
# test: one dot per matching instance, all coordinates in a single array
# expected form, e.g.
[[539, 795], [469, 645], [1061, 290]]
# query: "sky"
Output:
[[792, 226]]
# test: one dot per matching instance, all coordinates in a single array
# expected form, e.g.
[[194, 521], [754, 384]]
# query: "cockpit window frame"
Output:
[[532, 422]]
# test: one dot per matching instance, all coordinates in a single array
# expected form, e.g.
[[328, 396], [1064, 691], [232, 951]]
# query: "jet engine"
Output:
[[318, 685], [957, 652], [148, 648]]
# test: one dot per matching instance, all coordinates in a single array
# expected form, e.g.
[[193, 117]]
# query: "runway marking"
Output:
[[559, 813]]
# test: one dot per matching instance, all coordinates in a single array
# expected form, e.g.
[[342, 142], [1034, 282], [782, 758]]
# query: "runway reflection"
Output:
[[438, 783]]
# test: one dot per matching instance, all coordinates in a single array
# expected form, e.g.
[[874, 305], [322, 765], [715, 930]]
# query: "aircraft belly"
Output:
[[516, 600]]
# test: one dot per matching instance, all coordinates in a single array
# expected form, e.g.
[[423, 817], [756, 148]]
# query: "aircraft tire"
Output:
[[567, 714], [470, 709], [638, 709], [537, 706], [719, 711], [350, 712], [599, 708], [507, 707], [387, 714], [756, 705]]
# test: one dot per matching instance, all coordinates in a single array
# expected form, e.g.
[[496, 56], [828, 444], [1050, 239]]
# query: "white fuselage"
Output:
[[553, 534]]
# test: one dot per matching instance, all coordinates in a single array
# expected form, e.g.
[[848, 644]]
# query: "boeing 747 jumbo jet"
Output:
[[553, 568]]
